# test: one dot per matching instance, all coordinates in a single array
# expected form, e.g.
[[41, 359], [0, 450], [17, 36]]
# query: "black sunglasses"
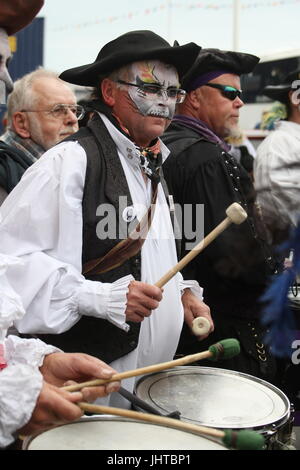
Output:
[[227, 91]]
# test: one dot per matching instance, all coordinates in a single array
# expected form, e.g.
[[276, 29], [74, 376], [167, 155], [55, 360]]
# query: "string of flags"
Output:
[[167, 6]]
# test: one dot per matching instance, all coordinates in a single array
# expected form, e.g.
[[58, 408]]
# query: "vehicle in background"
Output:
[[271, 69]]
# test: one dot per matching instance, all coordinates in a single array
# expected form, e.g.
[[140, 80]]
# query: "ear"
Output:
[[194, 99], [108, 89], [294, 97], [21, 125]]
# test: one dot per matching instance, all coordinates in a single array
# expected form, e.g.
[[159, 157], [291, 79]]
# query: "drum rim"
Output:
[[106, 417], [278, 423]]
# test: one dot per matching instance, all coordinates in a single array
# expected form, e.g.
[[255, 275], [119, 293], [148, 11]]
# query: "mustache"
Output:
[[69, 129], [163, 113]]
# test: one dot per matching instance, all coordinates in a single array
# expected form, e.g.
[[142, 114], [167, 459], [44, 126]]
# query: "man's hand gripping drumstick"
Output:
[[142, 298], [224, 349], [235, 215]]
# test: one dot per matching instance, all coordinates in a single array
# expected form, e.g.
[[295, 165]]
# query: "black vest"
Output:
[[105, 181]]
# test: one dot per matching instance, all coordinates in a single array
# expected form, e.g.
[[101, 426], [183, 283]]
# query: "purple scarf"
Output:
[[202, 129]]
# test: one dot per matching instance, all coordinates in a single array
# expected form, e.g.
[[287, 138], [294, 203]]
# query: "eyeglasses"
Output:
[[227, 91], [156, 89], [60, 110]]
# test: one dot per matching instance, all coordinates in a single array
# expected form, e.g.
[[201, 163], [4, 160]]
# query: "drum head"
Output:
[[113, 433], [215, 397]]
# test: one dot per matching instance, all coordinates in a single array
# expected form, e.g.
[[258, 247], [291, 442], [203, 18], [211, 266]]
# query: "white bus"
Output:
[[270, 70]]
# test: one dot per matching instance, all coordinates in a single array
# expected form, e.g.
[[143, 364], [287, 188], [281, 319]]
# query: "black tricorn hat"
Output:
[[280, 92], [213, 60], [133, 47]]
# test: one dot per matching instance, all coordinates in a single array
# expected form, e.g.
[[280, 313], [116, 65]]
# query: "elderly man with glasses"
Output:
[[234, 269], [41, 112], [92, 217]]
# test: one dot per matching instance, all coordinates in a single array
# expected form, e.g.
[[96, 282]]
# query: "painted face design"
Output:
[[156, 100], [6, 84]]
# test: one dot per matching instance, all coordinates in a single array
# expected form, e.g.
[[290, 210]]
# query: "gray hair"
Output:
[[23, 95], [123, 73]]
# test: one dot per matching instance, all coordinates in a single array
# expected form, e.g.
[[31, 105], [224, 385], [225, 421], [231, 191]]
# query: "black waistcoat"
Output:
[[105, 181]]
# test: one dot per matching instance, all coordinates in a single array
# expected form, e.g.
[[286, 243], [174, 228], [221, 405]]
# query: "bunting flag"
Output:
[[168, 6]]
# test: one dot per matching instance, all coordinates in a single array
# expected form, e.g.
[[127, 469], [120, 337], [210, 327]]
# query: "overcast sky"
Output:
[[76, 30]]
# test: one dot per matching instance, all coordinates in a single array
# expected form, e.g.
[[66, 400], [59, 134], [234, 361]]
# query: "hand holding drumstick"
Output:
[[235, 215], [142, 298], [196, 312]]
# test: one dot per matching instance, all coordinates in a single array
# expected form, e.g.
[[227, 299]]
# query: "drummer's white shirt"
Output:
[[20, 384], [42, 224], [21, 380], [277, 174]]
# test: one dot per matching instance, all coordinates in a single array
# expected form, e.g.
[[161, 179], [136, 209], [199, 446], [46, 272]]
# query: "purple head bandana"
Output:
[[205, 78]]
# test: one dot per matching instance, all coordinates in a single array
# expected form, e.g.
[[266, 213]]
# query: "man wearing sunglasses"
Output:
[[233, 270], [41, 111]]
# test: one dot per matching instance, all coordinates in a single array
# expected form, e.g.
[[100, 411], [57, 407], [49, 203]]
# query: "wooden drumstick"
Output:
[[222, 350], [236, 215], [242, 440]]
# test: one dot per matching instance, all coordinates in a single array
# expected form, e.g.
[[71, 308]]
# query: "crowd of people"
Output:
[[88, 224]]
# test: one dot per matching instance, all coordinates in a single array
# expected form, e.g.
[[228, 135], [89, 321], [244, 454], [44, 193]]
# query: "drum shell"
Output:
[[218, 398], [117, 433]]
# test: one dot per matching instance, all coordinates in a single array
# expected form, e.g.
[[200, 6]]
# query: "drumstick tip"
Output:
[[243, 440], [225, 349]]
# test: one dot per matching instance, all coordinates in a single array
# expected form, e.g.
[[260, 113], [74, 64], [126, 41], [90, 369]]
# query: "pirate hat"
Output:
[[211, 63], [280, 92], [132, 47]]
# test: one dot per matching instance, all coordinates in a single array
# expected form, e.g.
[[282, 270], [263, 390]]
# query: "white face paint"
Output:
[[148, 102], [6, 84]]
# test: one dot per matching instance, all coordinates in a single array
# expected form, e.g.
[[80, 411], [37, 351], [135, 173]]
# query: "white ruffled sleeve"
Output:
[[194, 286], [20, 386], [48, 202], [20, 383], [11, 307], [109, 302], [26, 351]]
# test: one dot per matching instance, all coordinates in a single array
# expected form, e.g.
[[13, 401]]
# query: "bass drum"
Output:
[[221, 399], [114, 433]]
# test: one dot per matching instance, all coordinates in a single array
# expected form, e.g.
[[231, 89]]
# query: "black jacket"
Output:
[[233, 270]]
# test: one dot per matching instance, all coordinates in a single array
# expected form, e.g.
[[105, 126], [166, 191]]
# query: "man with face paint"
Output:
[[89, 286], [234, 269], [151, 75]]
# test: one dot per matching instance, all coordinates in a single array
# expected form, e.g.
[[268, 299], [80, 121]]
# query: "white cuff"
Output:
[[11, 307], [194, 286], [26, 351], [105, 300], [20, 386]]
